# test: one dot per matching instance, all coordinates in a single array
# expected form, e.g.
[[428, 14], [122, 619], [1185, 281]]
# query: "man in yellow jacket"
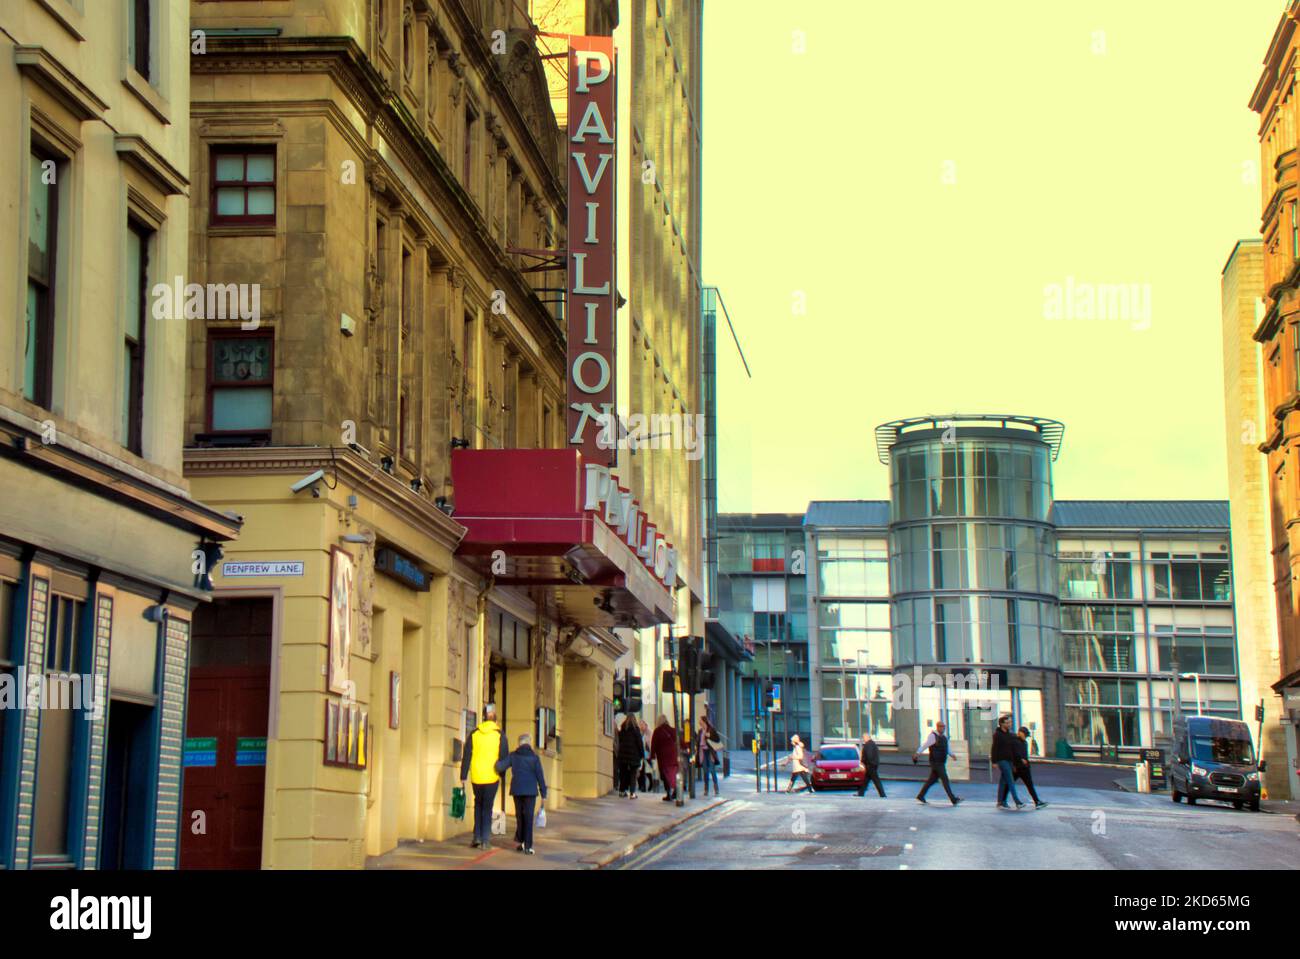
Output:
[[484, 748]]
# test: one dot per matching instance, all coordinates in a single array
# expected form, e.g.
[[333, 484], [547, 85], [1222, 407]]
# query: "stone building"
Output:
[[660, 347], [102, 545], [1245, 425], [389, 176], [1278, 333]]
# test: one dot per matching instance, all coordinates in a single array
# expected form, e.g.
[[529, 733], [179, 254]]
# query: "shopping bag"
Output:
[[498, 822], [541, 818], [457, 803]]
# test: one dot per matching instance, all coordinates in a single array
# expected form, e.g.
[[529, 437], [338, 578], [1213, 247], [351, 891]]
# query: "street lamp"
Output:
[[1196, 677]]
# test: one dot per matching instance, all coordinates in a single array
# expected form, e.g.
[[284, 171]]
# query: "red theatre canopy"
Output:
[[545, 518]]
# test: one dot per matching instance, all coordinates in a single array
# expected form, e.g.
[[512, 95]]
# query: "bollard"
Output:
[[1143, 772]]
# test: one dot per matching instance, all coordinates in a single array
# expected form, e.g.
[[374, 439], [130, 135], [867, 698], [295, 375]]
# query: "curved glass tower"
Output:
[[974, 606]]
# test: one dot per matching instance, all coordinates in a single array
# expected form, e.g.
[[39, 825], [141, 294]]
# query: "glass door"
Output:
[[1029, 713]]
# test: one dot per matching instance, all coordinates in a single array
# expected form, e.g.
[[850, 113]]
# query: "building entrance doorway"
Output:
[[128, 798], [225, 735]]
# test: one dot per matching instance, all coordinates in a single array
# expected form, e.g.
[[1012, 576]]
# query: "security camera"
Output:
[[308, 481]]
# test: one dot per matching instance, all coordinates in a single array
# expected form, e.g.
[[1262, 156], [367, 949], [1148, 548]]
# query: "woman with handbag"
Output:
[[706, 754]]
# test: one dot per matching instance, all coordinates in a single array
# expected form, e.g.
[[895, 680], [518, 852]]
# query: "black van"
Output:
[[1214, 759]]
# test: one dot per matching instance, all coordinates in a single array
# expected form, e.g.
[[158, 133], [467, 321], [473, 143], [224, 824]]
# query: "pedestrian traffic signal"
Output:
[[620, 699], [772, 696], [633, 694]]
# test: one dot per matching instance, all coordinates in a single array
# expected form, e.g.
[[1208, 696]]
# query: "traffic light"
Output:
[[689, 664], [707, 674], [633, 694], [768, 689], [620, 700]]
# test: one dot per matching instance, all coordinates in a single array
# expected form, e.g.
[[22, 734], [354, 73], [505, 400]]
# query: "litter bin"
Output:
[[726, 764], [1064, 750]]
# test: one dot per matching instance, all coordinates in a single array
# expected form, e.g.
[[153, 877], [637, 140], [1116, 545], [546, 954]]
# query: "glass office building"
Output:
[[1146, 595], [763, 601], [971, 593], [973, 569]]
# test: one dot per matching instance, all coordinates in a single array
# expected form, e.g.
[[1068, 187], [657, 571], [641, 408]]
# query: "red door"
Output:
[[225, 735]]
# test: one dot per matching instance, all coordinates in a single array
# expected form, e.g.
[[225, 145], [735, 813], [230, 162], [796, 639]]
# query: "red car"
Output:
[[836, 766]]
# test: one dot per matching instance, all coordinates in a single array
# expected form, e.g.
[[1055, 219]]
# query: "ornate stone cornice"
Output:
[[386, 491]]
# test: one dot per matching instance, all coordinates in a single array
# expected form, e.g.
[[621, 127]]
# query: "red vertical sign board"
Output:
[[591, 283]]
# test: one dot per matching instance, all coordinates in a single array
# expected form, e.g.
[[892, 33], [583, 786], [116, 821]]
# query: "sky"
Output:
[[909, 207]]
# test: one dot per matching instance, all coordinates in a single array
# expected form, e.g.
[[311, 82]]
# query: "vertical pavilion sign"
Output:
[[590, 228]]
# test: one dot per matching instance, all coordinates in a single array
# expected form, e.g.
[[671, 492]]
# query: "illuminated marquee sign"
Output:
[[602, 495], [591, 281]]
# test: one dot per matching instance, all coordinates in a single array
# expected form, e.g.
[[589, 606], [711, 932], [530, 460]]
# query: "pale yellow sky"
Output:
[[921, 174]]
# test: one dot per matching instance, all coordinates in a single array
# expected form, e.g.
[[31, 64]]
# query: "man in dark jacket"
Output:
[[936, 744], [870, 762], [1022, 766], [631, 750], [1003, 755], [526, 781]]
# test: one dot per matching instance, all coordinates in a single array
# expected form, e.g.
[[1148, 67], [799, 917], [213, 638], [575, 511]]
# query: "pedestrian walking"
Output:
[[527, 782], [936, 744], [484, 748], [1003, 755], [870, 758], [1022, 744], [798, 765], [663, 746], [706, 754], [646, 779], [631, 750]]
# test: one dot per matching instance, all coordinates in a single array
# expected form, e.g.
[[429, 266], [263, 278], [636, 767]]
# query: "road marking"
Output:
[[687, 833], [907, 846], [903, 865], [912, 828]]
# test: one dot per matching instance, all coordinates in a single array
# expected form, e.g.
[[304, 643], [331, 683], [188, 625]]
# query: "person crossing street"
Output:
[[936, 744]]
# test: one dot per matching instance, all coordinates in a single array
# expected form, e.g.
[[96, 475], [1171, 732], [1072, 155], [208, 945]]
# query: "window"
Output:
[[1101, 712], [240, 377], [243, 185], [54, 760], [141, 35], [1295, 231], [137, 298], [467, 161], [42, 248], [8, 594], [1187, 576]]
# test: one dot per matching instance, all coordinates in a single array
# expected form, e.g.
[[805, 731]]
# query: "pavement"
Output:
[[585, 834]]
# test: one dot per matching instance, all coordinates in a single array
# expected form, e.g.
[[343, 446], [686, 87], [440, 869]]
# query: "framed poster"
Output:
[[344, 734], [354, 734], [331, 732], [394, 700], [342, 576], [363, 739]]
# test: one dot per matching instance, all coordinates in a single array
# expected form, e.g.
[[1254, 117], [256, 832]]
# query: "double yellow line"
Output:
[[707, 819]]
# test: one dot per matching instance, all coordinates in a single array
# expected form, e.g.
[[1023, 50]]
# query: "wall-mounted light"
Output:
[[459, 443], [386, 464], [416, 484], [443, 504]]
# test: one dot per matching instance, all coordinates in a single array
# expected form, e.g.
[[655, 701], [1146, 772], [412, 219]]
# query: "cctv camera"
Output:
[[307, 481]]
